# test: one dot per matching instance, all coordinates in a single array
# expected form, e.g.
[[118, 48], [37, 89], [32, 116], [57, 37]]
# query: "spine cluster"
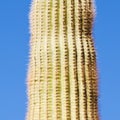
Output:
[[62, 75]]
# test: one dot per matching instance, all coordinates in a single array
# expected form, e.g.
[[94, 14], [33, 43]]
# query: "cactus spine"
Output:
[[62, 76]]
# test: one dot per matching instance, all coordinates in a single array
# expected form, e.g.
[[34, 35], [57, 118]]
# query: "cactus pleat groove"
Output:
[[62, 76]]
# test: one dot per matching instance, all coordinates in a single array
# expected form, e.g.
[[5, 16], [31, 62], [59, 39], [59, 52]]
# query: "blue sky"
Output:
[[14, 41]]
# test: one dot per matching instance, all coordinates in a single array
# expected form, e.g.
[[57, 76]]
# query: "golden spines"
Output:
[[62, 76], [65, 96], [73, 80], [88, 83], [80, 60], [90, 61], [34, 65], [56, 97], [49, 63], [94, 74]]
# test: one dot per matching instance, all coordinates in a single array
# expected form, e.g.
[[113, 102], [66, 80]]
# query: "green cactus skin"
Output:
[[62, 77]]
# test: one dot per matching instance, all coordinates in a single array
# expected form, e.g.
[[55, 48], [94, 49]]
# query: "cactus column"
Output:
[[62, 76]]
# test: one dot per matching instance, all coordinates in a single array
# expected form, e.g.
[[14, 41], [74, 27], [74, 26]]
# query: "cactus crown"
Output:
[[62, 75]]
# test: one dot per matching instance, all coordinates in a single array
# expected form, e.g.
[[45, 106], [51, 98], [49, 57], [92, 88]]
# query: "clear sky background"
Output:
[[14, 47]]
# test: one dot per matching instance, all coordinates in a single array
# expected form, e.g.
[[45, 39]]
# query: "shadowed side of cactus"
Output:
[[62, 75]]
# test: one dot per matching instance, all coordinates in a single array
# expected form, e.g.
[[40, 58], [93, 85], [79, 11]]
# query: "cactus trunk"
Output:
[[62, 76]]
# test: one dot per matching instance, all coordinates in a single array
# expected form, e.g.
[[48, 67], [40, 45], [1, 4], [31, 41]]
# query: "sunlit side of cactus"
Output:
[[62, 75]]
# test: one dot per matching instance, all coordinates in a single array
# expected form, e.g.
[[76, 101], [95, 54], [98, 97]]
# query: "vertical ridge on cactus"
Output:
[[62, 75]]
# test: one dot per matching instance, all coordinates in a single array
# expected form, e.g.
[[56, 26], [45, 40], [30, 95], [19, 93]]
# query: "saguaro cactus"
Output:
[[62, 76]]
